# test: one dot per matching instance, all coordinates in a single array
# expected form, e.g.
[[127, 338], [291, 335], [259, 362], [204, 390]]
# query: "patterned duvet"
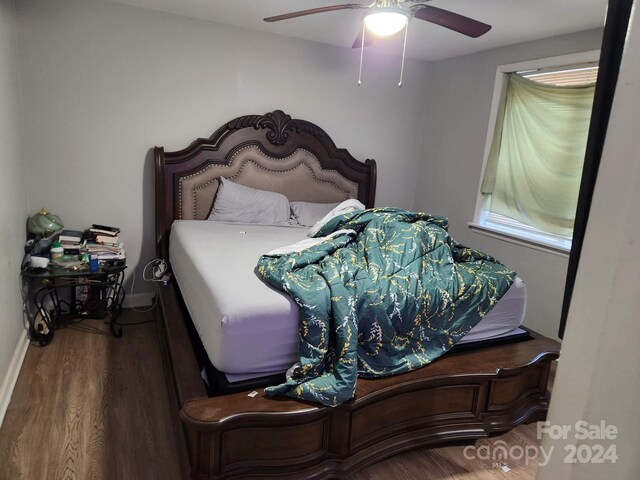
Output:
[[390, 294]]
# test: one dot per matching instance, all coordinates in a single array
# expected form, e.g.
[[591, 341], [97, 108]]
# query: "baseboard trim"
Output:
[[11, 377], [138, 300]]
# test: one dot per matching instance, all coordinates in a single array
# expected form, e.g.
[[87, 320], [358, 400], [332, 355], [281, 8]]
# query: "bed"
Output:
[[464, 395], [245, 340]]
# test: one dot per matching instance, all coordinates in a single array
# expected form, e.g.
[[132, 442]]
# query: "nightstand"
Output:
[[57, 297]]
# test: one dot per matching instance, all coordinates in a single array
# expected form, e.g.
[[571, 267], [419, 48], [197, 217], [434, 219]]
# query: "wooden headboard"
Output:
[[270, 152]]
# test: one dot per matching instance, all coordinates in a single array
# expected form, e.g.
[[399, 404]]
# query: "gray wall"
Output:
[[102, 83], [13, 201], [459, 95]]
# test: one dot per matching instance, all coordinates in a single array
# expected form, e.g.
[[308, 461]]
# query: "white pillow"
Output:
[[239, 204], [308, 214], [350, 205]]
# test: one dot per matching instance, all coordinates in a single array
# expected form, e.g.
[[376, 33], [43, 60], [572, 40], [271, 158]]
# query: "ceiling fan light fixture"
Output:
[[386, 21]]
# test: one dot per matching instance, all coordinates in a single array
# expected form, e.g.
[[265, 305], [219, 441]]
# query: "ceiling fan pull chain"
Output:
[[404, 51], [364, 28]]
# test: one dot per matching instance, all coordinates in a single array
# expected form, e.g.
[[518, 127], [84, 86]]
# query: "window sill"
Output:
[[510, 237]]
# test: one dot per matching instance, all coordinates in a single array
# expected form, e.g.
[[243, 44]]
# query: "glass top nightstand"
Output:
[[58, 296]]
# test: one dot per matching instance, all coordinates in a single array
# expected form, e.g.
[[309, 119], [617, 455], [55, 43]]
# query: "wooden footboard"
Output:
[[461, 396]]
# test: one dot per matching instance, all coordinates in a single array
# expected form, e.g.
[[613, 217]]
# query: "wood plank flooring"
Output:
[[89, 406], [450, 462]]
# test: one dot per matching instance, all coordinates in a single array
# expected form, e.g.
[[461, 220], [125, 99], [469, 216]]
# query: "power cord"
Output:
[[159, 269], [154, 271]]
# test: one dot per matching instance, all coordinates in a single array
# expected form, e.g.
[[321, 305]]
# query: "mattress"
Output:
[[505, 317], [248, 328]]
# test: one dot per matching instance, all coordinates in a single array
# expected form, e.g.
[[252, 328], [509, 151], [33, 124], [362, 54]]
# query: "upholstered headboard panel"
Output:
[[271, 152], [299, 177]]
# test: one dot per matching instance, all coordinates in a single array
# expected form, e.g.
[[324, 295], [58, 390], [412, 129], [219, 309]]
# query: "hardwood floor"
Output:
[[89, 406], [450, 462]]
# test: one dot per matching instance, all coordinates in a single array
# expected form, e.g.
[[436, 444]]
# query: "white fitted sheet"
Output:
[[247, 328], [507, 315]]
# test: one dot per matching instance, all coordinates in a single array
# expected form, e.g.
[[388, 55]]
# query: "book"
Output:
[[92, 247], [98, 231], [70, 236], [106, 229], [111, 256], [107, 239], [66, 245]]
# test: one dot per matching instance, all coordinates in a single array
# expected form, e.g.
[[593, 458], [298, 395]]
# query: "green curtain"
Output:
[[535, 163]]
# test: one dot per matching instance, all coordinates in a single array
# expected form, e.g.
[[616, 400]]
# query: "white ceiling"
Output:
[[513, 21]]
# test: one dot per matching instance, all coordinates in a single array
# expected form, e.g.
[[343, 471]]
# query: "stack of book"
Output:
[[104, 242], [71, 241]]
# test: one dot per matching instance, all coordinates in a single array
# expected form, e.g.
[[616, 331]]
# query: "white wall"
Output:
[[458, 103], [597, 377], [13, 207], [102, 83]]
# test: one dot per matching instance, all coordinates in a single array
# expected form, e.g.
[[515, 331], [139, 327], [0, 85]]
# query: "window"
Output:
[[535, 152]]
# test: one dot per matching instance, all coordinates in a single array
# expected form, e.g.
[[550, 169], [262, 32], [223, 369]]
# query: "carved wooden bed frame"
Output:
[[461, 396]]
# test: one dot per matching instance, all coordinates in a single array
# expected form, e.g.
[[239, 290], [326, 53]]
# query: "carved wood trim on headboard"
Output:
[[276, 135]]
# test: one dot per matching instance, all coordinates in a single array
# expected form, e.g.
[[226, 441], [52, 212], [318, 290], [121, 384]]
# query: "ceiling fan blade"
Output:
[[312, 11], [368, 40], [452, 21]]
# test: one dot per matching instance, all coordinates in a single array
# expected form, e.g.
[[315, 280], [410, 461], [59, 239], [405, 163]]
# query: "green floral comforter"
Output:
[[389, 295]]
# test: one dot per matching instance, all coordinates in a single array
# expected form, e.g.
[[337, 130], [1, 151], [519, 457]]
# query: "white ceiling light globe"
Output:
[[384, 23]]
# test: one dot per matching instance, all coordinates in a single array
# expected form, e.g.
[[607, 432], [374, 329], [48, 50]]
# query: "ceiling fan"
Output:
[[387, 17]]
